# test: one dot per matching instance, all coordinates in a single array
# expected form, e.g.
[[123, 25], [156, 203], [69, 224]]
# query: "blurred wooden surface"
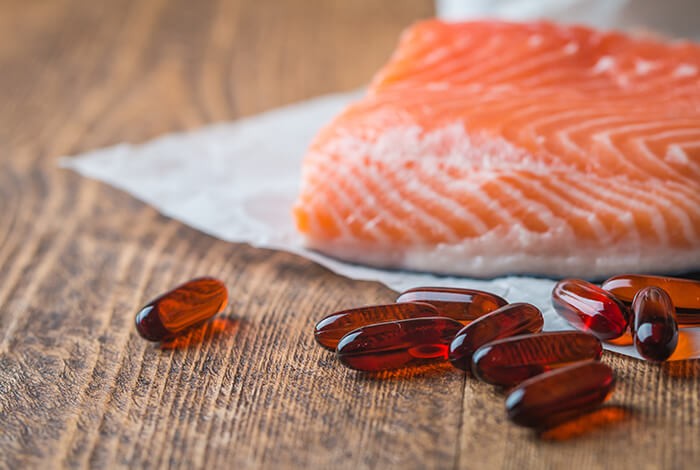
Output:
[[79, 388]]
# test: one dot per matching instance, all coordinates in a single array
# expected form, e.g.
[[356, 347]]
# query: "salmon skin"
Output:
[[488, 148]]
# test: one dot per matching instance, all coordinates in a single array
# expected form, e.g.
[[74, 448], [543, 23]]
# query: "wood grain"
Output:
[[79, 388]]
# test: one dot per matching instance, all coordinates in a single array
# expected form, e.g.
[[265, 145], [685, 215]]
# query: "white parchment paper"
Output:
[[237, 181]]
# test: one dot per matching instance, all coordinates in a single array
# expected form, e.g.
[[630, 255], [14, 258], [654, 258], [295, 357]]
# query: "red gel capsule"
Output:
[[401, 343], [684, 293], [333, 327], [459, 304], [509, 320], [591, 309], [509, 361], [655, 329], [556, 396], [184, 307]]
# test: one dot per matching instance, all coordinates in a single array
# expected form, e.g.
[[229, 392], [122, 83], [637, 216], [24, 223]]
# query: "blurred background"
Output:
[[675, 18], [214, 60]]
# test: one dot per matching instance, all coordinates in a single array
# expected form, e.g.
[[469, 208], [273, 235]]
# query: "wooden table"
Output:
[[79, 388]]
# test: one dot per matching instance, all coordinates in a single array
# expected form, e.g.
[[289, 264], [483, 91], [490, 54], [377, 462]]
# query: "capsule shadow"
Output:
[[425, 371], [624, 340], [598, 420], [214, 330]]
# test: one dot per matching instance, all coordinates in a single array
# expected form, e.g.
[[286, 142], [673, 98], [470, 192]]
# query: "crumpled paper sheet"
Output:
[[237, 181]]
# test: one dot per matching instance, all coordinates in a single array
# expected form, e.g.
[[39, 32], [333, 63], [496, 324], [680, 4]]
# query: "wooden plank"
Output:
[[79, 388]]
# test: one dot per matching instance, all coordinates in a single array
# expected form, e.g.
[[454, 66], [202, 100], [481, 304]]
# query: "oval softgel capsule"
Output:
[[655, 329], [684, 293], [396, 344], [459, 304], [556, 396], [591, 309], [186, 306], [333, 327], [509, 361], [509, 320]]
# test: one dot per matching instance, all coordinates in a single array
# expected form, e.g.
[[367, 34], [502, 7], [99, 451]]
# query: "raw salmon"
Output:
[[488, 148]]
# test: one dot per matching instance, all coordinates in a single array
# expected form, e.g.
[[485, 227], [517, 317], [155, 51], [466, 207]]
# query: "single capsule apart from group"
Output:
[[184, 307], [684, 293], [655, 329], [329, 330], [396, 344], [459, 304], [509, 320], [591, 309], [509, 361], [561, 394]]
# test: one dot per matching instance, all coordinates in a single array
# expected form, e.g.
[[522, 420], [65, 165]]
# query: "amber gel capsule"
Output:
[[684, 293], [400, 343], [333, 327], [655, 328], [509, 361], [509, 320], [553, 397], [590, 308], [188, 305], [460, 304]]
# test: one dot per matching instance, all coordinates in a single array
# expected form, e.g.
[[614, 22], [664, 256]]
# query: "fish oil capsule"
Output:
[[558, 395], [655, 329], [590, 308], [187, 305], [684, 293], [333, 327], [509, 361], [459, 304], [395, 344], [509, 320]]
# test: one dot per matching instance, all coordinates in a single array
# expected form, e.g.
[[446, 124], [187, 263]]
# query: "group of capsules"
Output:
[[649, 307], [551, 376]]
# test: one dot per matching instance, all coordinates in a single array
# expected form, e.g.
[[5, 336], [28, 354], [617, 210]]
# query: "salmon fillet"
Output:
[[491, 148]]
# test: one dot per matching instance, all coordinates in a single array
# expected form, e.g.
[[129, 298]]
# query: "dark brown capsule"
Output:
[[590, 308], [556, 396], [333, 327], [184, 307], [401, 343], [459, 304], [655, 328], [509, 320], [684, 293], [509, 361]]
